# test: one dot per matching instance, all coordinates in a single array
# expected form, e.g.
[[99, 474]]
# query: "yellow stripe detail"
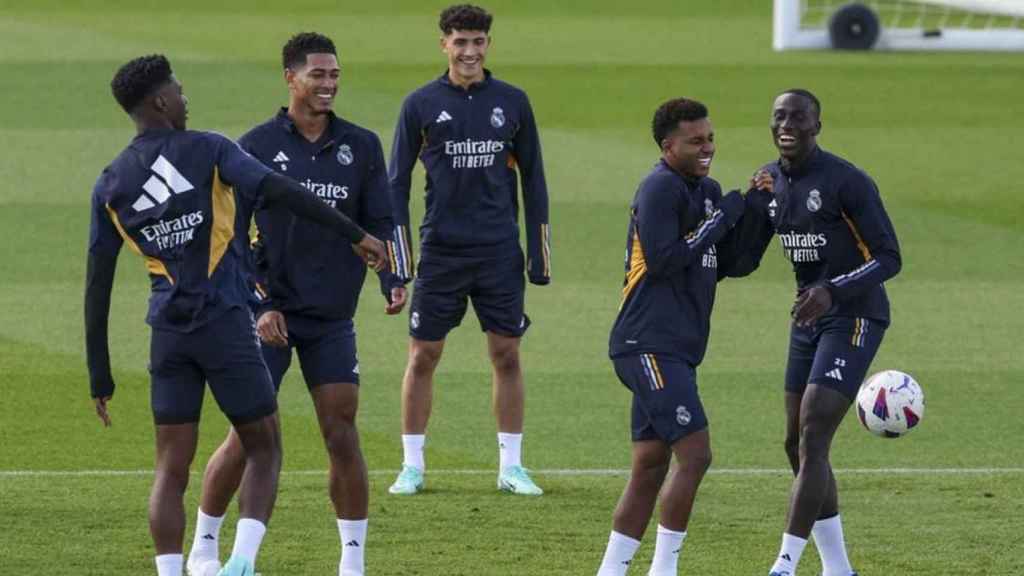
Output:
[[545, 238], [856, 236], [856, 331], [153, 265], [637, 268], [657, 371], [392, 257], [222, 231]]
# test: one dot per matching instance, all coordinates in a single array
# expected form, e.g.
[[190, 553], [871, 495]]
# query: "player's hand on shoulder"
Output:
[[396, 302], [732, 205], [762, 181], [373, 252], [101, 409], [272, 328]]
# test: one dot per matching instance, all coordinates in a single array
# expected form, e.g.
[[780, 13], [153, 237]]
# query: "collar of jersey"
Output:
[[690, 182], [286, 123], [444, 79], [806, 166]]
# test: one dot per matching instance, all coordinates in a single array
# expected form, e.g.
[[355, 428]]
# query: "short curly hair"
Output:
[[668, 116], [294, 53], [808, 95], [465, 17], [139, 78]]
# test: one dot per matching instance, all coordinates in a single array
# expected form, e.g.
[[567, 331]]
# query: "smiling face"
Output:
[[690, 148], [466, 51], [314, 85], [795, 126]]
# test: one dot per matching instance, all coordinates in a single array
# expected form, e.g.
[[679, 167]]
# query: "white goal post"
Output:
[[920, 25]]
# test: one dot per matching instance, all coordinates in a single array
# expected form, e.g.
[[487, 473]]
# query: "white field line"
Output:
[[570, 472]]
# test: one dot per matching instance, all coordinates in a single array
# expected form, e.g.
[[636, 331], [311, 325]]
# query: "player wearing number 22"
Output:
[[829, 217]]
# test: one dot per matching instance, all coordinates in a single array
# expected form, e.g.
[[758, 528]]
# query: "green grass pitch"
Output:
[[940, 133]]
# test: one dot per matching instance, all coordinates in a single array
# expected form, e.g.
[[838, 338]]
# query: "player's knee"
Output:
[[653, 466], [814, 442], [505, 359], [341, 439], [423, 359], [701, 461], [173, 478]]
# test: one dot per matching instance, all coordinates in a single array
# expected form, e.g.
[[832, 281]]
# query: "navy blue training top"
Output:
[[471, 143], [680, 243], [303, 267], [183, 200], [829, 217]]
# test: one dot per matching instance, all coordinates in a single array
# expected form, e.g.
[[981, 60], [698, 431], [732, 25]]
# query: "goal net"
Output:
[[996, 25]]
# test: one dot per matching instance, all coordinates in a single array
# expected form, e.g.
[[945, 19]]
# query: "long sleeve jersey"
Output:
[[303, 267], [471, 142], [183, 201], [829, 218], [681, 241]]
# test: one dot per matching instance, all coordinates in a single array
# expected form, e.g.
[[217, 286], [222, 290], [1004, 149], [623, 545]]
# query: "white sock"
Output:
[[168, 565], [789, 555], [248, 537], [353, 543], [666, 552], [828, 537], [510, 449], [618, 555], [412, 449], [205, 544]]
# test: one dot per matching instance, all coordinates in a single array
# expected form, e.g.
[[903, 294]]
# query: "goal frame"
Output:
[[787, 33]]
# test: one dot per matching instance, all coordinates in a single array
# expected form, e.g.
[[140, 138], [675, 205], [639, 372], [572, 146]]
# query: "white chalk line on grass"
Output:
[[569, 472]]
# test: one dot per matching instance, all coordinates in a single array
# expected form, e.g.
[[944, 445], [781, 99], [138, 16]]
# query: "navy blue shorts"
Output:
[[495, 284], [666, 405], [836, 353], [326, 348], [225, 353]]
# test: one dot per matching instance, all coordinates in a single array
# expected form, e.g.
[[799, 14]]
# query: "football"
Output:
[[890, 404]]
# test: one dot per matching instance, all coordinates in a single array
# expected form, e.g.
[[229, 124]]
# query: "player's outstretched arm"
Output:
[[669, 250], [741, 250], [277, 189]]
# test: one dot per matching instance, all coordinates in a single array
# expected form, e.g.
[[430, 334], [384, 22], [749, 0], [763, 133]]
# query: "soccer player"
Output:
[[183, 201], [829, 217], [472, 132], [681, 242], [313, 282]]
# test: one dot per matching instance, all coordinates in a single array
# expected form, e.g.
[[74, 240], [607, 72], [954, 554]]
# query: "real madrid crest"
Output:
[[814, 200], [709, 207], [345, 155], [497, 117], [683, 416]]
